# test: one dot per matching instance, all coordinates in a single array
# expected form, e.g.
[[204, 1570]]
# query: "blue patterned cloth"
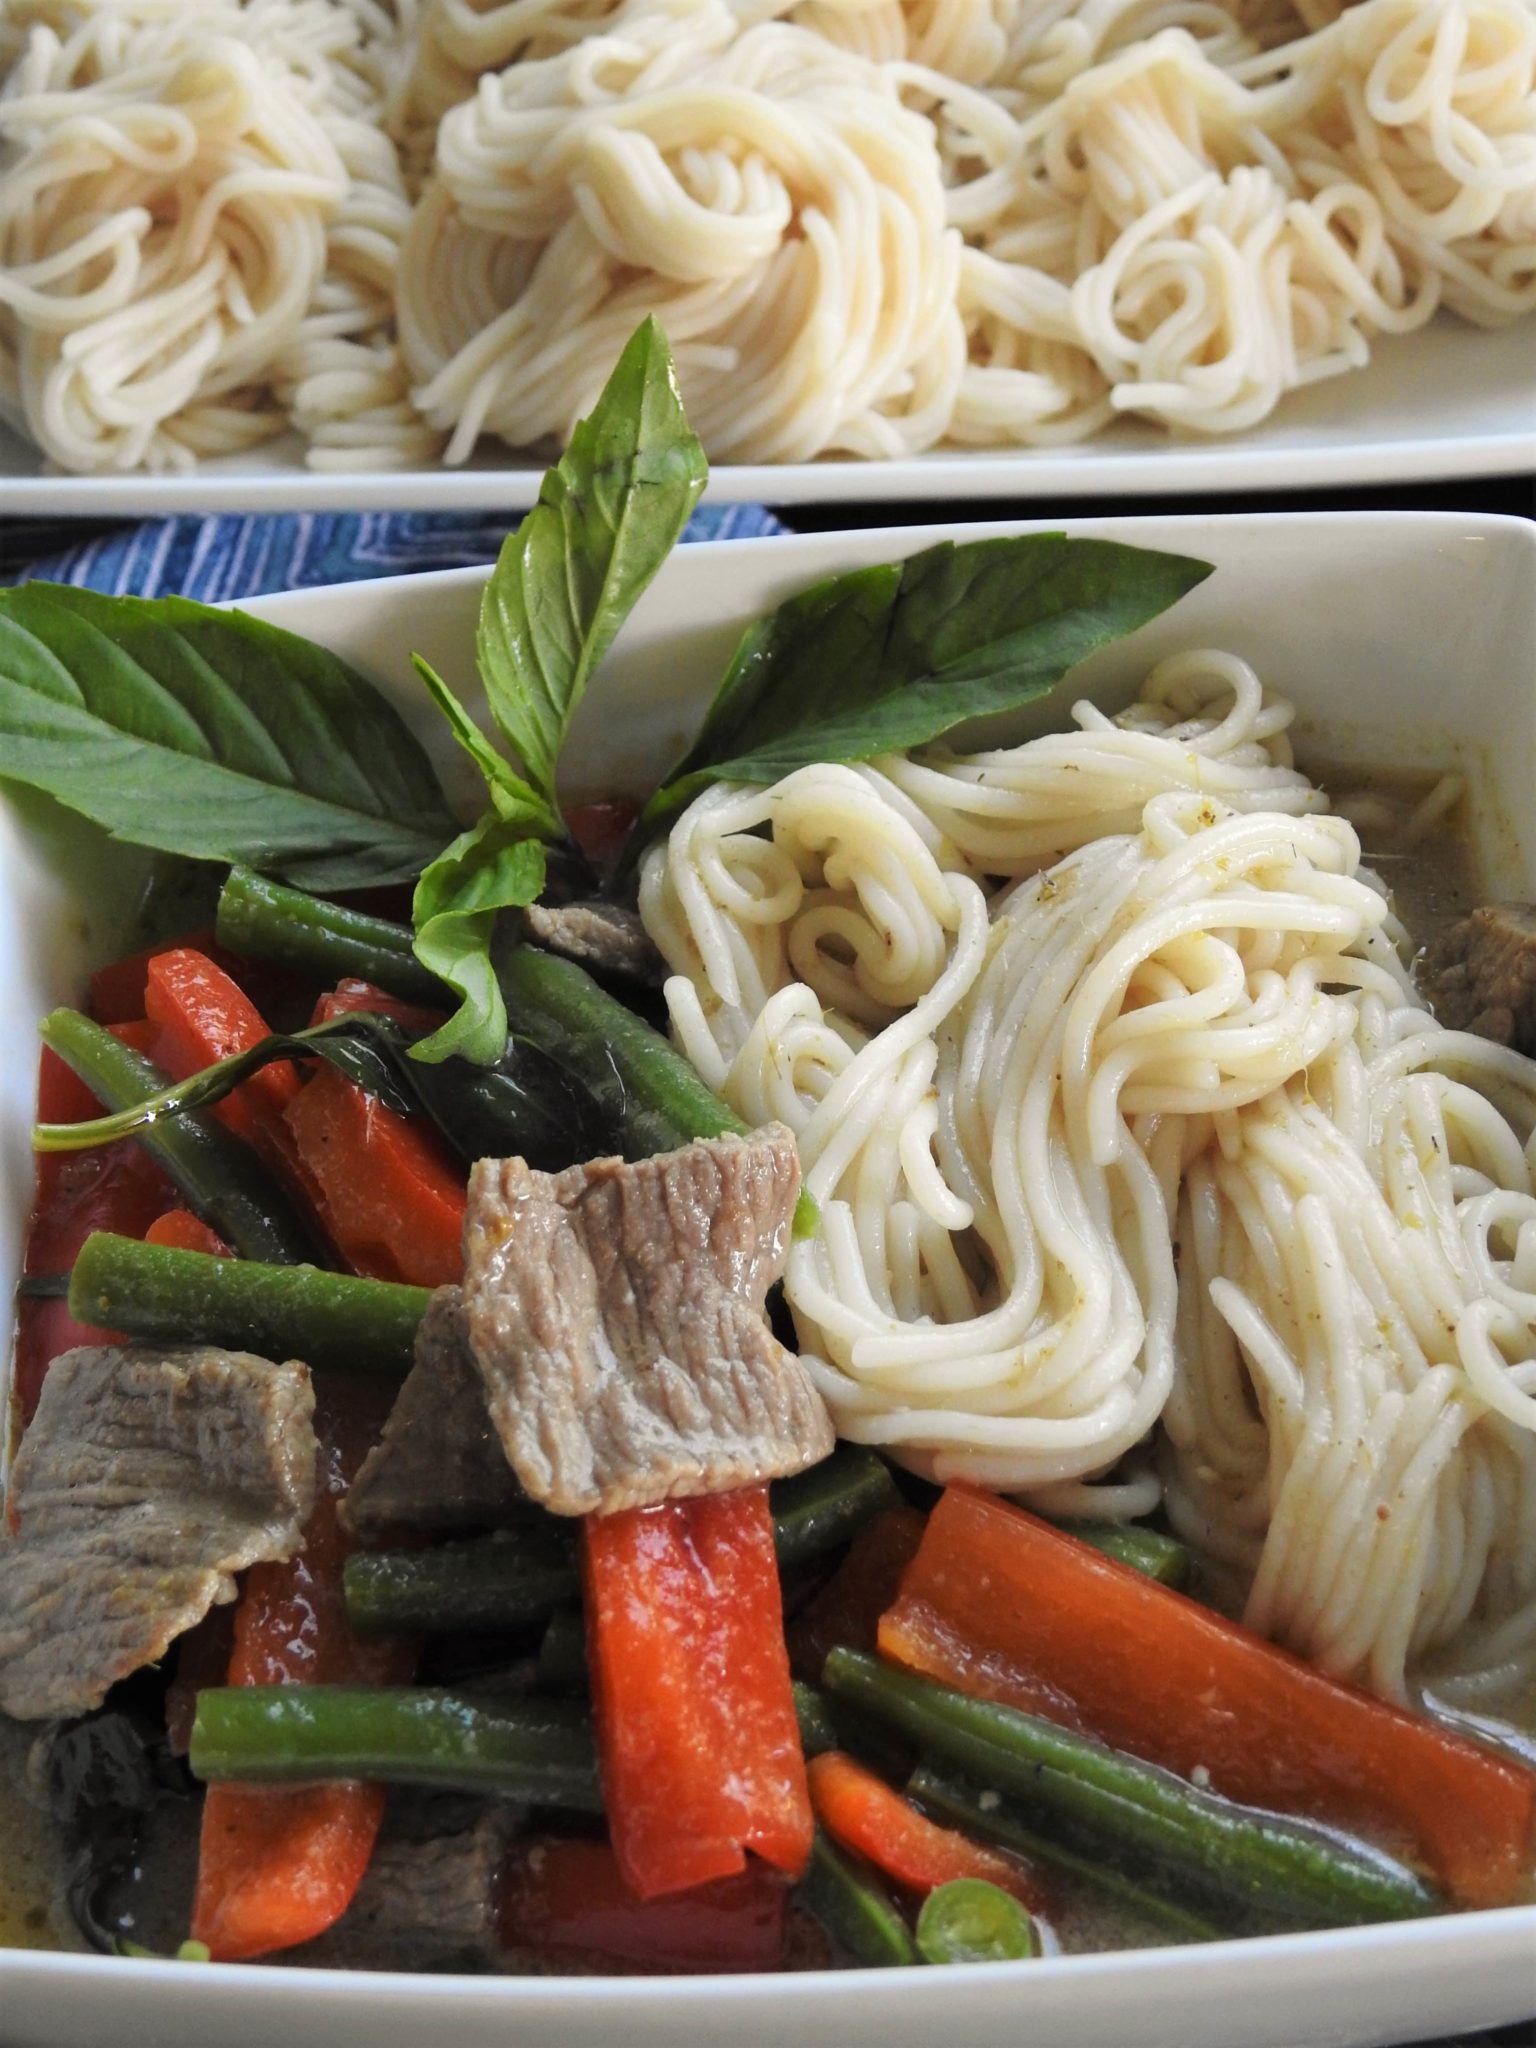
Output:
[[236, 555]]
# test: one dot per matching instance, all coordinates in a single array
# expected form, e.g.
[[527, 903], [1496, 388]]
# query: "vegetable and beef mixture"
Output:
[[419, 1502]]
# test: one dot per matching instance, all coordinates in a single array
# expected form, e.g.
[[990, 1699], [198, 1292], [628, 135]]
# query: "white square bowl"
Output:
[[1404, 639]]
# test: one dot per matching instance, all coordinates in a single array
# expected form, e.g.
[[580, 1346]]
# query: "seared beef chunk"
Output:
[[606, 937], [439, 1464], [428, 1900], [1480, 974], [146, 1479], [616, 1313]]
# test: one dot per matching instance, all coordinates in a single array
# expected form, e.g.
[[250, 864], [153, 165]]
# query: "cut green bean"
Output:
[[969, 1920], [537, 1751], [818, 1509], [982, 1812], [220, 1177], [856, 1913], [563, 1653], [175, 1297], [488, 1583], [814, 1713], [265, 920], [645, 1084], [479, 1587], [1147, 1551], [1257, 1860]]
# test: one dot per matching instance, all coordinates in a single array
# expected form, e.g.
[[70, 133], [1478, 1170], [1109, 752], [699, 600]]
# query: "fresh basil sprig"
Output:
[[878, 660], [211, 734], [609, 513]]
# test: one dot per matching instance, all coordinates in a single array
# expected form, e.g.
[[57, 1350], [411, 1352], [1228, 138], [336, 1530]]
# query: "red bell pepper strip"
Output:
[[696, 1728], [118, 989], [351, 995], [847, 1609], [864, 1814], [114, 1187], [571, 1898], [1001, 1605], [183, 1232], [201, 1016], [276, 1868], [387, 1190]]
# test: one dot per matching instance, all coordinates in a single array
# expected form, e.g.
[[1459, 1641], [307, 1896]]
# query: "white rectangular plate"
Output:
[[1451, 401], [1403, 638]]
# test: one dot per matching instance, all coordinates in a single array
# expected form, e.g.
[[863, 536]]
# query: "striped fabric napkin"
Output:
[[239, 555]]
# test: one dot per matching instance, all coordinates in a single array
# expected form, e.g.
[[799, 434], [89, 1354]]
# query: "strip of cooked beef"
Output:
[[428, 1898], [439, 1464], [616, 1313], [146, 1478], [1479, 974], [606, 936]]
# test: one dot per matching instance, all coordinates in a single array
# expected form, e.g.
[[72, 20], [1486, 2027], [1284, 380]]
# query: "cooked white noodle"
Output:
[[1124, 1116], [200, 229], [871, 226]]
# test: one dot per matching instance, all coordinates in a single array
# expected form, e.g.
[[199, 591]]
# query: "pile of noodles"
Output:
[[870, 226], [1144, 1173]]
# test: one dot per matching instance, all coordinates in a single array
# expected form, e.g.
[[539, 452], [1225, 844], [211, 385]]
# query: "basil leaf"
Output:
[[211, 734], [512, 799], [492, 867], [879, 660], [608, 515]]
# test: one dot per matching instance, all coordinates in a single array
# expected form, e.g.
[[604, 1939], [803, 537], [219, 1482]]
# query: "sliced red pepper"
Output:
[[114, 1187], [696, 1725], [868, 1816], [385, 1186], [571, 1898], [201, 1016], [118, 989], [847, 1609], [350, 996], [1003, 1606], [181, 1231], [276, 1868]]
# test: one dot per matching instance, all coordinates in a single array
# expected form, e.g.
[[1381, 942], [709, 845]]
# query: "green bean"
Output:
[[266, 920], [473, 1588], [969, 1920], [820, 1508], [487, 1583], [814, 1713], [563, 1652], [982, 1812], [631, 1071], [855, 1911], [1147, 1551], [1251, 1858], [540, 1751], [637, 1082], [177, 1297], [221, 1178]]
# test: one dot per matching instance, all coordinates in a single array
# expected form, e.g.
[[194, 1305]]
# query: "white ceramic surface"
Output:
[[1449, 401], [1404, 638]]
